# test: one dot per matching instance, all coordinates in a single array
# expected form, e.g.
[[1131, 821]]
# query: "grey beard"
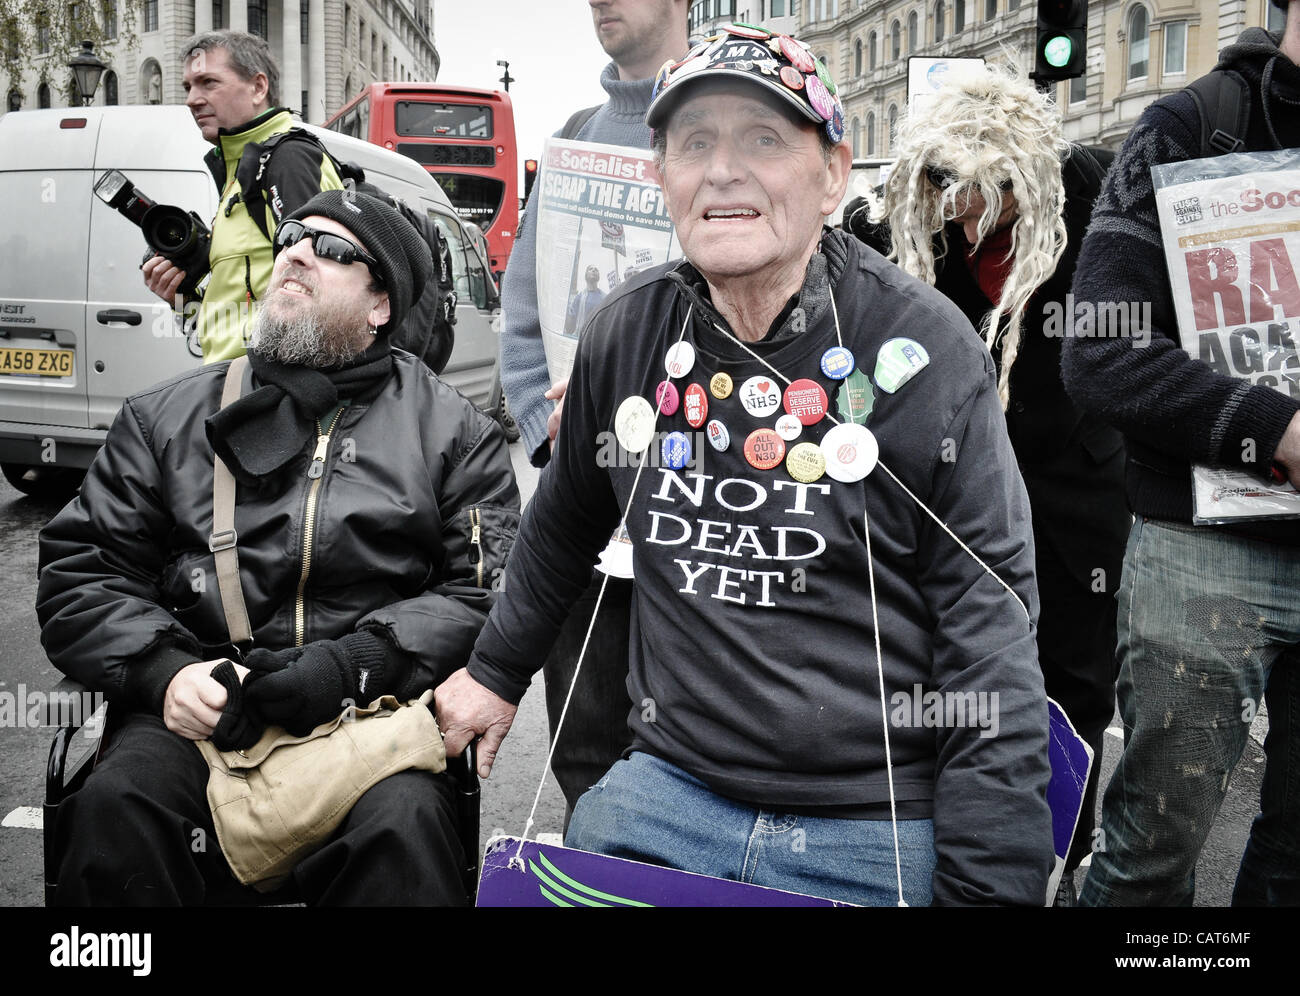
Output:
[[304, 341]]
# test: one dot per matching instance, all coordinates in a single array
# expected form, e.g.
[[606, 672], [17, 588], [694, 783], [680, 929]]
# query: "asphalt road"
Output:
[[507, 797]]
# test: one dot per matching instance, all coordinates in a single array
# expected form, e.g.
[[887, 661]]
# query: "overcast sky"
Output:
[[554, 58]]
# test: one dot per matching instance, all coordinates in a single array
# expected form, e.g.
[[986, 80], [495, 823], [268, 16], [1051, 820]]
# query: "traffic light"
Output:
[[1061, 50], [530, 176]]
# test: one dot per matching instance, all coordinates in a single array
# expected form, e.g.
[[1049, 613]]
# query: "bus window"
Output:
[[467, 272], [477, 198], [421, 119]]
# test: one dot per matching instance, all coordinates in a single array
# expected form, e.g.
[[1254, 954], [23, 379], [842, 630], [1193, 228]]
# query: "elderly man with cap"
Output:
[[988, 202], [833, 675], [373, 506]]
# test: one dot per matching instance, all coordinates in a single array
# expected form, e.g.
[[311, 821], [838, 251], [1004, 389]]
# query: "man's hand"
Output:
[[465, 710], [194, 700], [1288, 451], [163, 278], [556, 393]]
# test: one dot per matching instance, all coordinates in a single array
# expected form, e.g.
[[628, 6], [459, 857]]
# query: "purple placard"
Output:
[[1071, 760], [559, 876]]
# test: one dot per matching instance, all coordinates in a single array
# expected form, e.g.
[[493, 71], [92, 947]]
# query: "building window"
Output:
[[778, 8], [15, 100], [958, 16], [939, 12], [110, 19], [895, 41], [726, 8], [893, 125], [361, 40], [151, 15], [218, 14], [857, 57], [304, 20], [1078, 90], [347, 25], [871, 134], [43, 95], [857, 138], [374, 52], [871, 50], [259, 23], [43, 36], [1175, 48], [990, 9], [110, 89], [1274, 19], [912, 25], [1139, 27], [1012, 5]]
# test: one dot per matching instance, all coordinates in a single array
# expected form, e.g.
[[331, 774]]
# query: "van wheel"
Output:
[[43, 482]]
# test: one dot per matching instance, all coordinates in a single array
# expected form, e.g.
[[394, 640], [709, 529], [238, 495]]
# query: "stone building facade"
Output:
[[327, 50]]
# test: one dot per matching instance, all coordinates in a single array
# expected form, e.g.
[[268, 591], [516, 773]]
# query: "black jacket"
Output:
[[414, 517]]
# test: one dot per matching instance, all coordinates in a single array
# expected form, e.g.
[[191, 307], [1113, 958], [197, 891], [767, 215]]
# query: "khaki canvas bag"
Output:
[[281, 799]]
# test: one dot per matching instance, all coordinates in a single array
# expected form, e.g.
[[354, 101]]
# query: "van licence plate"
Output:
[[36, 362]]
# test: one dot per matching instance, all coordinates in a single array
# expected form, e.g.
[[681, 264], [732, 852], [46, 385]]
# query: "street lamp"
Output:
[[86, 70], [506, 78]]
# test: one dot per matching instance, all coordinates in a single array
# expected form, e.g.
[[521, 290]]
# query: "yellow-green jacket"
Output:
[[240, 256]]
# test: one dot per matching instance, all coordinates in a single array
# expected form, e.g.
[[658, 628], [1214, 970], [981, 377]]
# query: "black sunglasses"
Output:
[[325, 245], [943, 179]]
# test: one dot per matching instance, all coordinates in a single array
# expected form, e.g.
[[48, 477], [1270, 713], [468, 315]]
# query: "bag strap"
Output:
[[1223, 100], [223, 540], [577, 119], [251, 171]]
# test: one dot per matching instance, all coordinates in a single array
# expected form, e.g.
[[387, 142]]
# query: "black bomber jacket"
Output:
[[403, 534]]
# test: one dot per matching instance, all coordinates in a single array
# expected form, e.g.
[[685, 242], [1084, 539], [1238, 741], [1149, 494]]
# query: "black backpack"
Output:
[[1222, 98]]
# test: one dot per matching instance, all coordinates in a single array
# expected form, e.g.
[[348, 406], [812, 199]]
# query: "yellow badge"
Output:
[[805, 462], [720, 386]]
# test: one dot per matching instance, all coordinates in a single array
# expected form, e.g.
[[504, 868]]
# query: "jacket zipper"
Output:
[[476, 541], [315, 473]]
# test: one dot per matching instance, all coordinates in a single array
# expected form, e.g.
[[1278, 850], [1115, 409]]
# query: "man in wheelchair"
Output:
[[372, 508]]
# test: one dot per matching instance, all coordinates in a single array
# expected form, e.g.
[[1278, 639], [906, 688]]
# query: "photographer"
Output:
[[233, 86]]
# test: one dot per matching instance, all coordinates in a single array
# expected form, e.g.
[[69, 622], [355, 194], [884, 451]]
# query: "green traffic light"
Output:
[[1057, 51]]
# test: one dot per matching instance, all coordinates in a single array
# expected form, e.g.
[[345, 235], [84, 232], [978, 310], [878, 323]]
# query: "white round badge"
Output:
[[680, 359], [634, 424], [851, 452], [788, 427], [761, 396]]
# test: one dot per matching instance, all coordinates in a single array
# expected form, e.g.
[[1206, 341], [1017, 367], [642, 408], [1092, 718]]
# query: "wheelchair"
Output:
[[63, 778]]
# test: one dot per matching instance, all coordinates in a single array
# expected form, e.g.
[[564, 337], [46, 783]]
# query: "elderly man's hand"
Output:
[[465, 710], [194, 700], [162, 277], [556, 393]]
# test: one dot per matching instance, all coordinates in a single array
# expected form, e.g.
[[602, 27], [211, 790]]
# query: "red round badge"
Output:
[[796, 53], [764, 449], [696, 404], [791, 77], [806, 401]]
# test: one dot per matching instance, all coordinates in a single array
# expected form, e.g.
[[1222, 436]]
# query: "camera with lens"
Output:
[[170, 231]]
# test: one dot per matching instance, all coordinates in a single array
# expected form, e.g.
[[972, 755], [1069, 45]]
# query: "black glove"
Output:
[[238, 728], [317, 686]]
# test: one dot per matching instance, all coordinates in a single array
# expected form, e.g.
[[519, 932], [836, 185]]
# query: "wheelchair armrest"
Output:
[[463, 772]]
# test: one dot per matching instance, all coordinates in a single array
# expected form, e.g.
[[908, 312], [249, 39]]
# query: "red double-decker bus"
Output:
[[465, 137]]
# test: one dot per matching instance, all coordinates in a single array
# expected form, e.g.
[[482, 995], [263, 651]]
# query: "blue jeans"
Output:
[[646, 809], [1207, 620]]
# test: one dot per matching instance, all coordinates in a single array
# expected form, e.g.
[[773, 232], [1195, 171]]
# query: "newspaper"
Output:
[[1231, 228], [601, 219]]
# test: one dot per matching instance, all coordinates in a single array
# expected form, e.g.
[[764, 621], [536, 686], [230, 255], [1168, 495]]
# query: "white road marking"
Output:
[[1087, 860], [27, 817], [1115, 731], [554, 839]]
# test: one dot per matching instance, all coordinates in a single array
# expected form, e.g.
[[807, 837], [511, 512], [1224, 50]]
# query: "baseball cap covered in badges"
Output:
[[781, 64]]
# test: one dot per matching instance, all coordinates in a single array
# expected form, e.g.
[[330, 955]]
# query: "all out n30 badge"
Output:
[[696, 404], [806, 401], [760, 396], [634, 424], [719, 437], [680, 359], [764, 449], [676, 450]]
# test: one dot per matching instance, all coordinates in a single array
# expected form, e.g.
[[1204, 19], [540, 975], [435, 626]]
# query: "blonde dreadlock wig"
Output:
[[987, 131]]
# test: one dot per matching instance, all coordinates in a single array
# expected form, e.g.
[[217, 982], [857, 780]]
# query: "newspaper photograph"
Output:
[[1231, 230], [601, 219]]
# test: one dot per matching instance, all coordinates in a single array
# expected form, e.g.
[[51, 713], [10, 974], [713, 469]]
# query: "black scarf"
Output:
[[262, 431]]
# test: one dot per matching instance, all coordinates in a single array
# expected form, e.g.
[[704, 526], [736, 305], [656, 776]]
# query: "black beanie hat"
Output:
[[404, 260]]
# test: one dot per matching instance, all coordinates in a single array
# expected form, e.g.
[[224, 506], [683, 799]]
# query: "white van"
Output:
[[78, 329]]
